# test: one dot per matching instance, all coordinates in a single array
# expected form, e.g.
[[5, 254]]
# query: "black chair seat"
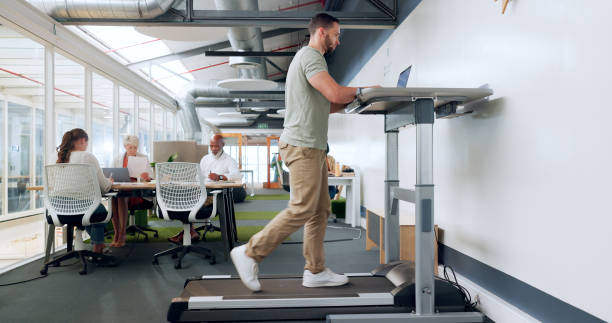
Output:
[[183, 216], [99, 215]]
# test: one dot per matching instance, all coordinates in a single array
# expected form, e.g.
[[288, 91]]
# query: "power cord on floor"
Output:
[[467, 298], [35, 278], [333, 240]]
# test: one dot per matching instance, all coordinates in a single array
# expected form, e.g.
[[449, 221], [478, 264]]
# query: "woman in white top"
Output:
[[120, 211], [73, 150]]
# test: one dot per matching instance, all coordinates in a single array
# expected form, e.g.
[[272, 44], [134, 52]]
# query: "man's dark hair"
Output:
[[321, 20]]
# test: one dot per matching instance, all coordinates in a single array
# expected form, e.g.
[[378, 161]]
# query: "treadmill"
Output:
[[389, 292]]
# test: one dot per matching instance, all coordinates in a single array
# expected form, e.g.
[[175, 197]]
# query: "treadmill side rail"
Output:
[[218, 302], [467, 317]]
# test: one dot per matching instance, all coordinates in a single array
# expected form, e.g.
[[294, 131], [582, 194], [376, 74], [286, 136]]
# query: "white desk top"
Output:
[[381, 100]]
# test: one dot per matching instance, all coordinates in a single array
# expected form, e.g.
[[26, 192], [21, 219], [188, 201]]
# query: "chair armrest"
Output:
[[214, 210]]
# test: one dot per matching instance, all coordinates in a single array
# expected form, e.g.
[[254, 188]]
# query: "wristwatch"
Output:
[[358, 95]]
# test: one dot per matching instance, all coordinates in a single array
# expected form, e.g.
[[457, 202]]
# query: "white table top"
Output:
[[381, 100]]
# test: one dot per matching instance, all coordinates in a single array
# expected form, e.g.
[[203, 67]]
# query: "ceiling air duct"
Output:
[[108, 9]]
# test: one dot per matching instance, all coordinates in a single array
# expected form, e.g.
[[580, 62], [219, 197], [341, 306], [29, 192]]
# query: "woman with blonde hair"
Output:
[[120, 209], [73, 150]]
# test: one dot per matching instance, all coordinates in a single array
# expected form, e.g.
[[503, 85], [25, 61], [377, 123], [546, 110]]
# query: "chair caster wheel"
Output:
[[83, 272], [177, 266], [155, 261], [174, 256], [43, 271]]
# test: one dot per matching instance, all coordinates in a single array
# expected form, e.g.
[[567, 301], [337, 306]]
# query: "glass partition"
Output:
[[69, 94], [102, 120], [2, 158], [144, 126], [21, 94], [169, 128], [19, 146], [126, 115], [39, 154], [159, 123]]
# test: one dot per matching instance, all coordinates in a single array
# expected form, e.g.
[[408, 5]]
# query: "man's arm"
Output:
[[233, 171], [332, 91], [336, 107]]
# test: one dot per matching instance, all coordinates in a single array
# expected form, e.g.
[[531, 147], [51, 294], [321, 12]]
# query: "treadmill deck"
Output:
[[273, 288]]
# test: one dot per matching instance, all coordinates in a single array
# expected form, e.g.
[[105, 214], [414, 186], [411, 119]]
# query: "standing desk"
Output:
[[420, 107]]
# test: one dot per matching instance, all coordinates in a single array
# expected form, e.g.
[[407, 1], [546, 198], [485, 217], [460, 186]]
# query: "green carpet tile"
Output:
[[268, 197]]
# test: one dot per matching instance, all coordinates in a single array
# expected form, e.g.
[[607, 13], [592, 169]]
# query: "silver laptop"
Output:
[[119, 175]]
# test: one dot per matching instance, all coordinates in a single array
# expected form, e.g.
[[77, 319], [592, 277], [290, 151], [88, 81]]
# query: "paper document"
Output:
[[137, 166]]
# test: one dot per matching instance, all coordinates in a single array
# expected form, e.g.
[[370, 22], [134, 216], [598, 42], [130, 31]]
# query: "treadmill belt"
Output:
[[284, 288]]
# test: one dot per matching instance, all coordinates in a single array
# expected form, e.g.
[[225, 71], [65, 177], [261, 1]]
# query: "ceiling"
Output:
[[171, 57]]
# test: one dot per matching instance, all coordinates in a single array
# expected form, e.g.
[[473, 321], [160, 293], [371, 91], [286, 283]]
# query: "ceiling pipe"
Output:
[[245, 39], [105, 9]]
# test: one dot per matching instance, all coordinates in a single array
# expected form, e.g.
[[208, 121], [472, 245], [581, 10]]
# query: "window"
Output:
[[144, 126], [159, 123], [102, 119], [126, 115], [19, 144], [39, 155], [21, 120], [180, 132], [69, 94], [170, 131], [2, 158]]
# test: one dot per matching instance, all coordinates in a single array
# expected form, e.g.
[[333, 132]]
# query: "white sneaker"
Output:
[[323, 279], [246, 267]]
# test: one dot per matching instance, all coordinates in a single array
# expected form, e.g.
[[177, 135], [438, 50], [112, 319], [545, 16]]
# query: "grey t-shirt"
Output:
[[307, 111]]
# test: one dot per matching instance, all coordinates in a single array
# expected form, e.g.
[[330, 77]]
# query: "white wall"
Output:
[[522, 184]]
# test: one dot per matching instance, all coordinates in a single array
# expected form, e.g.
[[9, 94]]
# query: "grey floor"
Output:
[[137, 291]]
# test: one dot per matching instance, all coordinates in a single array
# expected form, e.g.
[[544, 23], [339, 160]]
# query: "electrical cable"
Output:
[[35, 278]]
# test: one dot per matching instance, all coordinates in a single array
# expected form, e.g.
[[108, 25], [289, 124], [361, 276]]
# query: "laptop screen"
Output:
[[403, 77], [118, 174]]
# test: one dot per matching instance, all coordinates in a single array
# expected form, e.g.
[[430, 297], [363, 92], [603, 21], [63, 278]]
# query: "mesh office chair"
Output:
[[72, 197], [283, 175], [181, 194]]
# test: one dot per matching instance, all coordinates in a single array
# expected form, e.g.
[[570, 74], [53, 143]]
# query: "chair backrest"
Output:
[[179, 187], [71, 189]]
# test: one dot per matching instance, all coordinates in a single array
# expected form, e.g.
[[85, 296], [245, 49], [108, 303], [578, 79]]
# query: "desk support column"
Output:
[[424, 196], [392, 227]]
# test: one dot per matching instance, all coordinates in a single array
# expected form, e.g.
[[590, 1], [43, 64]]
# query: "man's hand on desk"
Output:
[[216, 177], [145, 177]]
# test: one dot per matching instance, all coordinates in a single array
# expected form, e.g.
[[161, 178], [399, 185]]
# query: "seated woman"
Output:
[[73, 150], [122, 205]]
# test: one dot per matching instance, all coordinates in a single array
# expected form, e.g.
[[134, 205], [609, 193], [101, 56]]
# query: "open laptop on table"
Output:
[[403, 77], [119, 175]]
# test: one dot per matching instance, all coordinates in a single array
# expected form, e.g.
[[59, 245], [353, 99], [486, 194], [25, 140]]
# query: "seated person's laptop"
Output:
[[403, 77], [119, 175]]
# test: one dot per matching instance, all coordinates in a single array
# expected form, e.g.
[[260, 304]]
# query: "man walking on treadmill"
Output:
[[311, 94]]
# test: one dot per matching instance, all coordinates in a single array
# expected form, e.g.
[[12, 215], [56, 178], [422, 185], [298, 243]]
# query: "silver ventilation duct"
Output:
[[111, 9], [245, 39]]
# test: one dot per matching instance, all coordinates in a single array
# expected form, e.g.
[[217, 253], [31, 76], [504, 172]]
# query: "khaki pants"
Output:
[[309, 207]]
